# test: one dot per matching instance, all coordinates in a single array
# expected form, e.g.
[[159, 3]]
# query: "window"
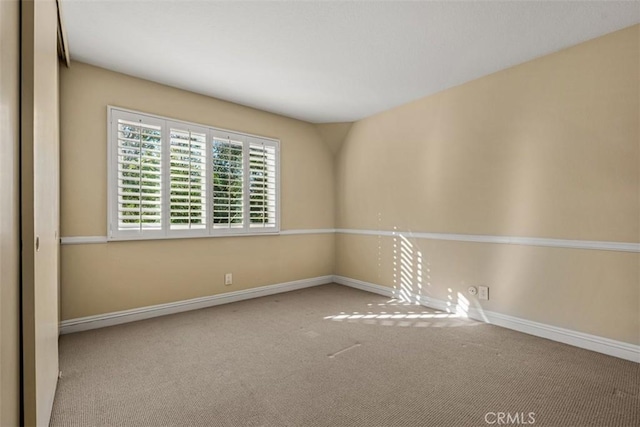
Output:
[[169, 178]]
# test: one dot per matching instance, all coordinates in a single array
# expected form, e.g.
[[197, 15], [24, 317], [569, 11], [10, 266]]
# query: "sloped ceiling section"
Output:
[[325, 61], [334, 134]]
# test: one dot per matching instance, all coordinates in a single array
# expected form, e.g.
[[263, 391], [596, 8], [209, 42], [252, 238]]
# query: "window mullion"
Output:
[[164, 178], [112, 165], [208, 188], [189, 186], [246, 184], [276, 162], [265, 191]]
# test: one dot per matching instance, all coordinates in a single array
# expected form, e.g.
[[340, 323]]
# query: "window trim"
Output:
[[166, 233]]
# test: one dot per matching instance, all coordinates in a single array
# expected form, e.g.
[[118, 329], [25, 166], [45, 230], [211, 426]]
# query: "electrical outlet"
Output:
[[472, 290], [228, 279], [483, 292]]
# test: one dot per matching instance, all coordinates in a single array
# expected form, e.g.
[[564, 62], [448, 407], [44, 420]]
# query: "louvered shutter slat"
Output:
[[139, 184], [187, 184], [262, 186], [228, 183]]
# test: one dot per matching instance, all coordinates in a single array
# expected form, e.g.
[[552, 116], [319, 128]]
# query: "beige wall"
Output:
[[548, 149], [9, 214], [589, 291], [40, 208], [102, 278]]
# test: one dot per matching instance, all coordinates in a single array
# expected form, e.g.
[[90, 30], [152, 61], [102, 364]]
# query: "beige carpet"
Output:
[[334, 356]]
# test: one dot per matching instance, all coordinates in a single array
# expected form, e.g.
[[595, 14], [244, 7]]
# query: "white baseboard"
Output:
[[577, 339], [126, 316]]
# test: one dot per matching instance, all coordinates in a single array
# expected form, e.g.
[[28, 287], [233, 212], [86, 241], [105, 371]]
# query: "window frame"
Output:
[[114, 234]]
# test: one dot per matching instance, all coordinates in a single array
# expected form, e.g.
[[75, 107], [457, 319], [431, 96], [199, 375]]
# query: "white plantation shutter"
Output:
[[169, 178], [138, 163], [262, 184], [228, 172], [187, 177]]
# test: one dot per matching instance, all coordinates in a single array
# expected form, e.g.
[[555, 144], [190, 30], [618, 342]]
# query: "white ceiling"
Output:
[[323, 61]]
